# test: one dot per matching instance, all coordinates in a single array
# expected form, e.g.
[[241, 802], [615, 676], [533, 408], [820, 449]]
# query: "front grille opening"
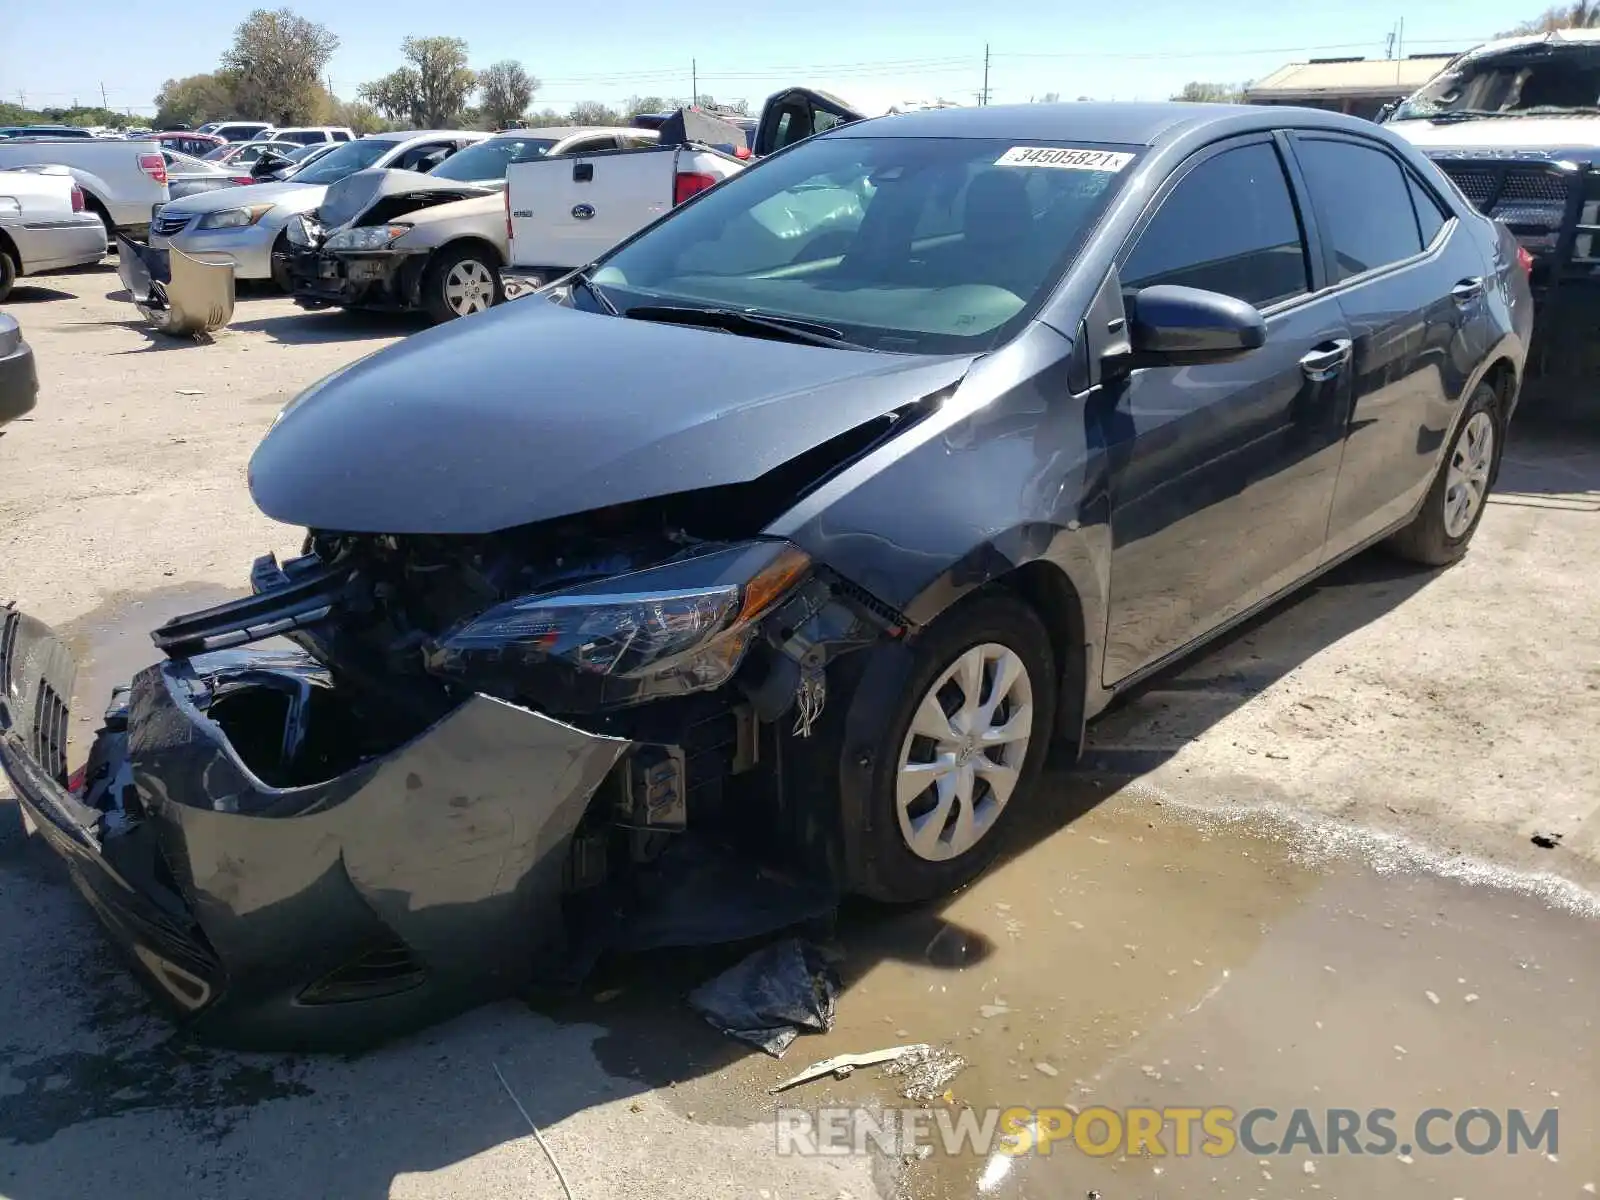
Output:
[[386, 969], [50, 732]]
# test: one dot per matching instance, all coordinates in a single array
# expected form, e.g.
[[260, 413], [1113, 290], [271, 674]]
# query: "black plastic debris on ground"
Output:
[[698, 893], [769, 997]]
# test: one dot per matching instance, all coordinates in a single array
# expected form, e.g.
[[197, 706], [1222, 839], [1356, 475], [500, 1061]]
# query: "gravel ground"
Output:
[[1452, 712]]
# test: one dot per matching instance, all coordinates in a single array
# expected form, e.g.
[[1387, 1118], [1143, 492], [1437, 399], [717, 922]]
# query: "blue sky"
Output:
[[896, 49]]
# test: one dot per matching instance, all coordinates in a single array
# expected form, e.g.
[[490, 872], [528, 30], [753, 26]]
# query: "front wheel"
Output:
[[962, 752], [8, 274], [459, 282], [1441, 531]]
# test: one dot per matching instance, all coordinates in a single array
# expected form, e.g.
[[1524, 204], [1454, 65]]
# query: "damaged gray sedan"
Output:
[[801, 523]]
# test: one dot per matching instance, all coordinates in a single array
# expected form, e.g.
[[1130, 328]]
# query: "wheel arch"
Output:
[[470, 240]]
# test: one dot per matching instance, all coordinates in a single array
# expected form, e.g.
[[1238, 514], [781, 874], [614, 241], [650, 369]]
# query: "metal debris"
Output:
[[925, 1071]]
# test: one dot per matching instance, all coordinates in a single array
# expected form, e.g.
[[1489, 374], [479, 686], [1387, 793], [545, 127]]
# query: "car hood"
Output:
[[348, 200], [1579, 135], [491, 208], [296, 197], [534, 410]]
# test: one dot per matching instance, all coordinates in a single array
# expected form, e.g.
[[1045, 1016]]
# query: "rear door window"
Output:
[[1229, 226], [1363, 200], [1430, 215]]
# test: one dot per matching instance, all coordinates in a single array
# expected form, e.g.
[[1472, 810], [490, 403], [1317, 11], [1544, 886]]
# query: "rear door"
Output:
[[1410, 281], [566, 211], [1222, 476]]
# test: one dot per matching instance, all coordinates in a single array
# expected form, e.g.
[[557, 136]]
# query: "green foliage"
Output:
[[276, 63], [505, 90], [1213, 93], [431, 90], [593, 112], [196, 99], [15, 114]]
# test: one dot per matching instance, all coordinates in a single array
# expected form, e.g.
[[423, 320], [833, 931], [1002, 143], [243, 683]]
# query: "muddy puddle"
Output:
[[1143, 956], [1133, 954]]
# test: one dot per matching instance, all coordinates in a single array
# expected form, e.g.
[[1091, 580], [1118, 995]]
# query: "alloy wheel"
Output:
[[1467, 478], [964, 752], [469, 288]]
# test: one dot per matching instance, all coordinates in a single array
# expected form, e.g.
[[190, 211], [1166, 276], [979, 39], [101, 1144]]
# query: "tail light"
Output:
[[690, 183], [243, 180], [1524, 260], [77, 198], [154, 166]]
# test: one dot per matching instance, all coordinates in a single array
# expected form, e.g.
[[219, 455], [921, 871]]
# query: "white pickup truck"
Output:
[[123, 182], [561, 214]]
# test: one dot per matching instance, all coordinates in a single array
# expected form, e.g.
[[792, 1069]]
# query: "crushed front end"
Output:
[[363, 271], [468, 747]]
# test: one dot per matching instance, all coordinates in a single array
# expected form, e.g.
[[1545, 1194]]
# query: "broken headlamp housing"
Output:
[[367, 237], [668, 630]]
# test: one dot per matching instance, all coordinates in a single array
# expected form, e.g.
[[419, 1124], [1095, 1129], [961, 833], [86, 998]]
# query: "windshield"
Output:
[[489, 159], [1540, 79], [349, 157], [929, 246]]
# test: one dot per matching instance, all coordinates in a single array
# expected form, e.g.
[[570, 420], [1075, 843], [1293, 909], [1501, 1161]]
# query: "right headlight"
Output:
[[667, 630], [368, 237]]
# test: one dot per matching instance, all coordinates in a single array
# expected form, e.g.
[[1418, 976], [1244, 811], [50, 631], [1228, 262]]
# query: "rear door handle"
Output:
[[1467, 290], [1326, 360]]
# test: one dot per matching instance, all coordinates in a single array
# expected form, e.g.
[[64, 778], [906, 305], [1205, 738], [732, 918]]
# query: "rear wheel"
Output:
[[460, 281], [8, 273], [1440, 533], [99, 210], [962, 752]]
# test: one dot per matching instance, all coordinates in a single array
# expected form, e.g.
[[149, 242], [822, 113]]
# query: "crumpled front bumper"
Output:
[[332, 915], [380, 278]]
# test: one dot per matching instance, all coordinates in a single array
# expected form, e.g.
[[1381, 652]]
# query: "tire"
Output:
[[277, 268], [908, 853], [8, 274], [453, 269], [1439, 534], [99, 210]]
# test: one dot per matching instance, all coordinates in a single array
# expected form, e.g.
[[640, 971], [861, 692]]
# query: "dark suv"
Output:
[[805, 520]]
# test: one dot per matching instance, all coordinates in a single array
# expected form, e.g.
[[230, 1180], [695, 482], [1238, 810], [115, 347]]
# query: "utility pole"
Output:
[[1400, 41], [984, 99], [103, 103], [694, 83]]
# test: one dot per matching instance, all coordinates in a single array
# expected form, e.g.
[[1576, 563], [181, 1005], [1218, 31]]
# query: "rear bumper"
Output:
[[19, 384], [384, 279], [324, 915], [56, 245]]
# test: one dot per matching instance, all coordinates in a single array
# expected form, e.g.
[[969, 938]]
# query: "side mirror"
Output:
[[1172, 326]]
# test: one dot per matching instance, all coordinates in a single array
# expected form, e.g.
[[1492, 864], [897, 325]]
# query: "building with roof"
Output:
[[1358, 86]]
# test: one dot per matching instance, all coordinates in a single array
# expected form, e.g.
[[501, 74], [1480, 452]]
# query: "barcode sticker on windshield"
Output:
[[1063, 159]]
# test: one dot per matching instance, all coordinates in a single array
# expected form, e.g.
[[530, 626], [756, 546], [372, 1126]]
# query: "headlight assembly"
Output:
[[664, 631], [234, 218], [368, 237]]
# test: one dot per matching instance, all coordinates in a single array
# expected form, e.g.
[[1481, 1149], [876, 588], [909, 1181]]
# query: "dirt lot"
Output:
[[1328, 819]]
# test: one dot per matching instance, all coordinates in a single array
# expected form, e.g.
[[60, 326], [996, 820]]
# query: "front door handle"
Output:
[[1326, 360], [1467, 290]]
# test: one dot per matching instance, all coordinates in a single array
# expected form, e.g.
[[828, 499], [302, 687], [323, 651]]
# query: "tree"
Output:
[[645, 104], [195, 99], [1583, 14], [592, 112], [545, 116], [506, 89], [431, 90], [1048, 98], [360, 118], [277, 61], [1212, 93]]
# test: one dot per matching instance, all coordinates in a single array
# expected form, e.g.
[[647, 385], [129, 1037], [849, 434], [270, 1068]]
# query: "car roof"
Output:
[[1122, 123], [407, 135], [557, 132]]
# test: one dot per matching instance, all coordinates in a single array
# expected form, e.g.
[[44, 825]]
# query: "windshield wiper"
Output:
[[792, 329], [590, 286], [1468, 114]]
